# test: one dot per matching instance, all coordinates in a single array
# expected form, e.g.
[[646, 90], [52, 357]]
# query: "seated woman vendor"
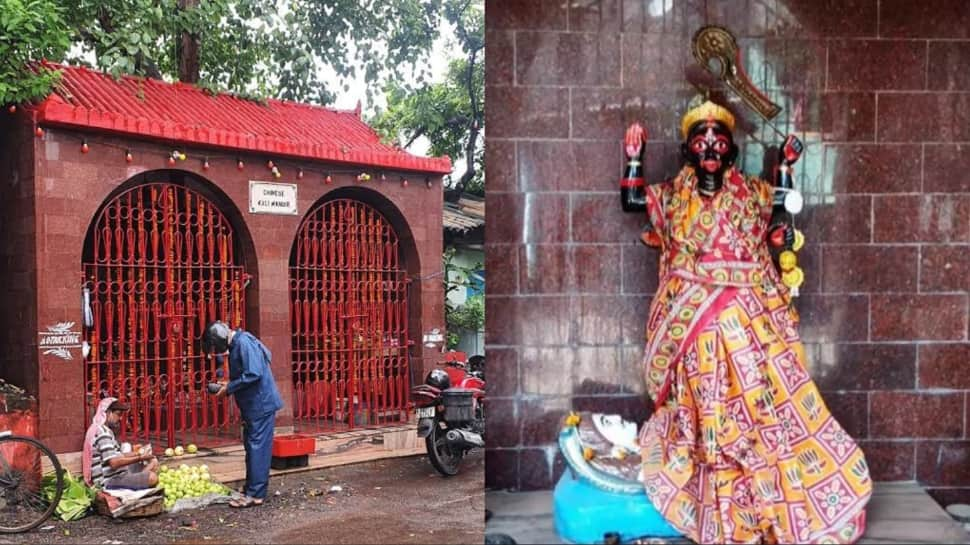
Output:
[[105, 465]]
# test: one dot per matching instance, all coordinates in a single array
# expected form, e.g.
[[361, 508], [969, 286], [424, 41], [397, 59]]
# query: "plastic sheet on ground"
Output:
[[198, 502]]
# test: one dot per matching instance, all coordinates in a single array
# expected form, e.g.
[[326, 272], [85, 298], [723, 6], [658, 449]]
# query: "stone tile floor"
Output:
[[898, 513]]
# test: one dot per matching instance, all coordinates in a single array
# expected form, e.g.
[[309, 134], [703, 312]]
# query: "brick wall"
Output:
[[70, 187], [880, 93], [18, 321]]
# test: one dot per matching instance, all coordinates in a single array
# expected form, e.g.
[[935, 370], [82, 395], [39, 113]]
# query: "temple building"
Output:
[[135, 211]]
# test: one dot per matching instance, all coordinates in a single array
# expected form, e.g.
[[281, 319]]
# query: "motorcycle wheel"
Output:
[[444, 460]]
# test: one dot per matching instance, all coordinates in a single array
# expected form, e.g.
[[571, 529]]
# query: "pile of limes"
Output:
[[178, 450], [187, 482]]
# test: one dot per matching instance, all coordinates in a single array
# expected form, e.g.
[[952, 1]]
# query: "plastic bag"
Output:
[[75, 500]]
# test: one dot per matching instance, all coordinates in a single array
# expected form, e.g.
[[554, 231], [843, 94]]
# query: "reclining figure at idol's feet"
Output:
[[600, 496]]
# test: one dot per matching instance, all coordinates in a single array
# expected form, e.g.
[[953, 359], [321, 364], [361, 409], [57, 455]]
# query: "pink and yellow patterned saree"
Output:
[[741, 448]]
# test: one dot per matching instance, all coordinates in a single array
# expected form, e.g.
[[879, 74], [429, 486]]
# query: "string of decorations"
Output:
[[176, 156]]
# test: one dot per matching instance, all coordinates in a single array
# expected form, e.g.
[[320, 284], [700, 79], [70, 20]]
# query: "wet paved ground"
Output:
[[399, 500]]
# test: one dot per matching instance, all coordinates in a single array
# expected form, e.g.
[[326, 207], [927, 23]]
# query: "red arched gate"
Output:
[[161, 261], [349, 308]]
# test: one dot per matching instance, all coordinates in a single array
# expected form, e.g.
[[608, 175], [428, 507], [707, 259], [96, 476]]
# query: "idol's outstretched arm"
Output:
[[632, 193], [781, 232]]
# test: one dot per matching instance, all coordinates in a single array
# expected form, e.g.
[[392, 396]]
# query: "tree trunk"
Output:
[[188, 49], [473, 132], [469, 159]]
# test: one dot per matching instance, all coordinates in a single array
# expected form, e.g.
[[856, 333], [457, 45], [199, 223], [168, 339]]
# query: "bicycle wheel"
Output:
[[23, 505]]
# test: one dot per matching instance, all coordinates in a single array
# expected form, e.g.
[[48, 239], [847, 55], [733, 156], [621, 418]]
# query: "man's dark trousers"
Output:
[[258, 439]]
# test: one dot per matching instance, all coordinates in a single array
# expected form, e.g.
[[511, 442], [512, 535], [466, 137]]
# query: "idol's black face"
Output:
[[710, 149]]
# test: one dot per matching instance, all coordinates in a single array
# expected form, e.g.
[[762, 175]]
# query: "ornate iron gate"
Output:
[[160, 263], [349, 310]]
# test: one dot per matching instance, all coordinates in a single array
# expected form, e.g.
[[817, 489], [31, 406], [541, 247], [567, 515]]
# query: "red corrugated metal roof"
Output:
[[180, 112]]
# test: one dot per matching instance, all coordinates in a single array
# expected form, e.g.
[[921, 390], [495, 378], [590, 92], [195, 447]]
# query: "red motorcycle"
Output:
[[450, 408]]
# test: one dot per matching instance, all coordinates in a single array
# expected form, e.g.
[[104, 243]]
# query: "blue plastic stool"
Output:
[[583, 513]]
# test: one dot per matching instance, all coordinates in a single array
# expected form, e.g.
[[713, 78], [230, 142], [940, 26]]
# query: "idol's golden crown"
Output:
[[707, 110]]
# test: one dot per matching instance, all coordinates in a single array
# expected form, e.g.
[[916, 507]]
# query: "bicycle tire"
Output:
[[52, 505]]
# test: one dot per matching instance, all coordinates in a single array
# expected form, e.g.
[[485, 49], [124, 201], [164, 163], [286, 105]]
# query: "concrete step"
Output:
[[228, 464]]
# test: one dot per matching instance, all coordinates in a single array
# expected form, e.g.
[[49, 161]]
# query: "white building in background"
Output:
[[464, 230]]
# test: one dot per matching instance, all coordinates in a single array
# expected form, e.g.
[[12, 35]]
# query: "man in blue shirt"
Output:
[[251, 383]]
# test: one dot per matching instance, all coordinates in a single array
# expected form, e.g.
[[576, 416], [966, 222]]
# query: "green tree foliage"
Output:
[[263, 47], [30, 31], [468, 317], [471, 315], [250, 47], [450, 113]]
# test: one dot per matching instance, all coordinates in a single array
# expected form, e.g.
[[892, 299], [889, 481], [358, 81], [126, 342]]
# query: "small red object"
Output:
[[329, 180], [205, 164], [128, 157], [404, 183], [39, 132], [792, 148], [456, 356], [293, 445], [777, 237], [269, 164], [85, 148], [12, 109], [239, 165], [631, 182], [171, 160]]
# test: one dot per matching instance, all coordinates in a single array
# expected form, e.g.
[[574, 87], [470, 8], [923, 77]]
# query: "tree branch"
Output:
[[417, 134], [460, 28], [105, 21], [473, 132], [149, 66]]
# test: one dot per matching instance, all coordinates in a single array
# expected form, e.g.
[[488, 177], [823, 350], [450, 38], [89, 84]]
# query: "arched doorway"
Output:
[[161, 260], [349, 313]]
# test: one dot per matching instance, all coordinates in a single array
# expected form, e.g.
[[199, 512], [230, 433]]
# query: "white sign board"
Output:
[[59, 339], [270, 198], [433, 337]]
